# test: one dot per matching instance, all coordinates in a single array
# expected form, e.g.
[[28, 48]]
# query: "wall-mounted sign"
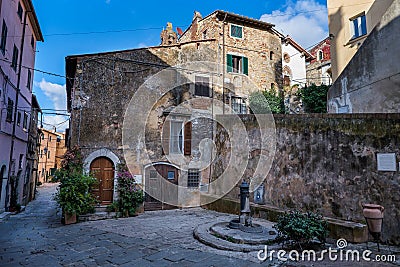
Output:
[[138, 178], [386, 162]]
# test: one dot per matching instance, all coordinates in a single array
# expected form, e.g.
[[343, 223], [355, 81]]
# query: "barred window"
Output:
[[193, 178]]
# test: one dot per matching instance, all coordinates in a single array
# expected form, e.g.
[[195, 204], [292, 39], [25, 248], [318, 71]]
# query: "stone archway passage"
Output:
[[103, 169]]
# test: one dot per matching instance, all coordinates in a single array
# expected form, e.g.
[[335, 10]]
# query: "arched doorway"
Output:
[[158, 193], [103, 169]]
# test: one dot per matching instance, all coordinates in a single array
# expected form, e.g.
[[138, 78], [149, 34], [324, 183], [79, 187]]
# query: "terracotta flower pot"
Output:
[[69, 218], [373, 215]]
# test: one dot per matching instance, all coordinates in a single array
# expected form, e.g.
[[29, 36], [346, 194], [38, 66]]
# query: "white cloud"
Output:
[[108, 1], [305, 20], [57, 95]]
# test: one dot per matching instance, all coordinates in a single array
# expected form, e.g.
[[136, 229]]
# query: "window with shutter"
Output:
[[188, 139], [202, 86], [165, 136], [237, 64]]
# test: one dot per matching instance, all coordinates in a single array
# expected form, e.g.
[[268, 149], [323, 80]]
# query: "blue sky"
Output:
[[69, 27]]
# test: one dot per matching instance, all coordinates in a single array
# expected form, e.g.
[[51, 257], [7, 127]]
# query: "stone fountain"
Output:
[[238, 234]]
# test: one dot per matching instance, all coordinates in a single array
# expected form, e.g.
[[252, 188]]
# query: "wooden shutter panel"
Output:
[[229, 63], [166, 136], [245, 65], [187, 146]]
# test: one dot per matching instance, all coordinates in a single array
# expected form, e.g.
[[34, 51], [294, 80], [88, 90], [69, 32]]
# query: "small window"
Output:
[[19, 118], [176, 138], [202, 86], [25, 123], [171, 175], [358, 26], [320, 55], [205, 34], [272, 86], [29, 80], [14, 58], [20, 11], [239, 105], [33, 42], [153, 174], [48, 154], [271, 55], [286, 57], [10, 109], [3, 37], [237, 64], [193, 178], [236, 31], [49, 138], [21, 157]]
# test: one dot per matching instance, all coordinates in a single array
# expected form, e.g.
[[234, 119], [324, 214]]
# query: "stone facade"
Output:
[[327, 163], [103, 86], [319, 70]]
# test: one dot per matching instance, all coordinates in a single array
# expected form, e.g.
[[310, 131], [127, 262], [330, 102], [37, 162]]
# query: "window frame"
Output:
[[202, 87], [29, 80], [14, 62], [25, 121], [10, 110], [3, 42], [20, 11], [238, 105], [193, 178], [242, 62], [361, 20], [238, 27], [176, 138], [19, 118]]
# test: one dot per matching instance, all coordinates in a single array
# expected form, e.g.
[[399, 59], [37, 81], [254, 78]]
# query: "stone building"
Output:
[[367, 78], [32, 156], [49, 142], [319, 68], [172, 92]]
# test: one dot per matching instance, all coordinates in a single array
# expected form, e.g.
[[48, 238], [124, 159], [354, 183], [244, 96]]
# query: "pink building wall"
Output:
[[8, 90]]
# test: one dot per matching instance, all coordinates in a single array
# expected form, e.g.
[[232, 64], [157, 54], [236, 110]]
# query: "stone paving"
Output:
[[36, 237]]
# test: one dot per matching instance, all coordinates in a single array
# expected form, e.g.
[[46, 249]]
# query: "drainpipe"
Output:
[[16, 107], [223, 64]]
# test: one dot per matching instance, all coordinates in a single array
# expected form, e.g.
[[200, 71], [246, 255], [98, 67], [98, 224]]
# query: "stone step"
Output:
[[97, 216]]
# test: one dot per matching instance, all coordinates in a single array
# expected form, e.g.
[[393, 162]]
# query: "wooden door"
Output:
[[158, 194], [103, 169]]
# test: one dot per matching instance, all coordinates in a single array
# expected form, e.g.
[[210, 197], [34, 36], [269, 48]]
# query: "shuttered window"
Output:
[[237, 64], [188, 139], [202, 86]]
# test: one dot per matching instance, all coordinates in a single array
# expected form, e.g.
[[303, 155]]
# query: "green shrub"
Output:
[[301, 227], [74, 192], [129, 193]]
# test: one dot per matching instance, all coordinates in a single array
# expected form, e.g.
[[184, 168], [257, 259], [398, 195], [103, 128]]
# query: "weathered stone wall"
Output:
[[328, 163]]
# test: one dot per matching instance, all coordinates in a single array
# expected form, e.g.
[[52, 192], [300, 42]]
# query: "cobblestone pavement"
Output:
[[36, 237]]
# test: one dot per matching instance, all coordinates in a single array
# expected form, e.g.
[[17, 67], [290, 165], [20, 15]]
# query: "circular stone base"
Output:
[[258, 236], [220, 235]]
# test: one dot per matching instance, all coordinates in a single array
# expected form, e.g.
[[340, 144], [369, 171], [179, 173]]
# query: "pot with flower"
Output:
[[130, 194]]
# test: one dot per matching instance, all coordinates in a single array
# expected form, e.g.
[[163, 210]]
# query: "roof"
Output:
[[33, 19], [35, 103], [307, 54], [327, 40], [227, 16]]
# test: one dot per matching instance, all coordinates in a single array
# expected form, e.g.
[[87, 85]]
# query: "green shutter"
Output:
[[245, 65], [229, 63]]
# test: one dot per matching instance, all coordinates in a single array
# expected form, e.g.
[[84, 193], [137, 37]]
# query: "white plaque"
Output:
[[386, 162], [138, 179]]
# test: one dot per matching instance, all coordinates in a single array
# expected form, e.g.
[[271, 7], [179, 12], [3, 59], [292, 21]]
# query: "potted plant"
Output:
[[74, 192]]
